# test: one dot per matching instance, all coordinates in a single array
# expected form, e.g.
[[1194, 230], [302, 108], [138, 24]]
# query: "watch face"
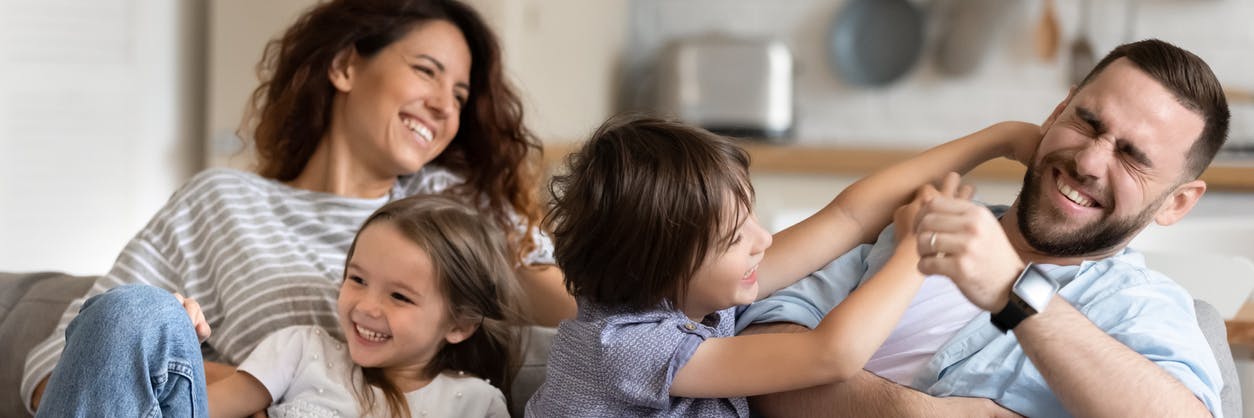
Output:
[[1036, 289]]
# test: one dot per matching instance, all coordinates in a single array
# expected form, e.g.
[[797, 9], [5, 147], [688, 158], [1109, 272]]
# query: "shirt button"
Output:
[[320, 390], [338, 347], [459, 394], [690, 326], [317, 332], [315, 356]]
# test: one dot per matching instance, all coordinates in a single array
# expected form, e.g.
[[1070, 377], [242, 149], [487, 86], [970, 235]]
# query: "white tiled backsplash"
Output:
[[926, 107]]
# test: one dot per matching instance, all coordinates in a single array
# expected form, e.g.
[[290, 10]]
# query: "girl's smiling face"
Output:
[[390, 307]]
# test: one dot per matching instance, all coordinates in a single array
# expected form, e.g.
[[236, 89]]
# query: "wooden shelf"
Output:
[[855, 161]]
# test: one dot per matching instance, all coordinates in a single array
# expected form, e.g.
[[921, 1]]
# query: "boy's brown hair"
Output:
[[644, 202]]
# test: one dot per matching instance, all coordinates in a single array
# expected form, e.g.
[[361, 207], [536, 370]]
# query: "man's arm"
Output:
[[1091, 373], [1095, 375], [865, 395]]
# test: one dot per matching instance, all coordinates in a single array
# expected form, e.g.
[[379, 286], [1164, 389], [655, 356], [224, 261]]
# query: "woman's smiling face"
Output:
[[400, 108]]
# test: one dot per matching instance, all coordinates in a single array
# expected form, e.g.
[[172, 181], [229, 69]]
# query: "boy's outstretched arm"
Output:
[[837, 349], [864, 395], [863, 209]]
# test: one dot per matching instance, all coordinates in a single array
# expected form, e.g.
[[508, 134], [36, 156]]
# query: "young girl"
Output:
[[654, 229], [424, 306]]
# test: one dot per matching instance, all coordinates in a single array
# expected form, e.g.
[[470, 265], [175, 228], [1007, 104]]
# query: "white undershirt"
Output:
[[937, 312]]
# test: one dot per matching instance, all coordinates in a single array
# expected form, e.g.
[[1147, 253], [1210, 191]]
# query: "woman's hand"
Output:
[[196, 315]]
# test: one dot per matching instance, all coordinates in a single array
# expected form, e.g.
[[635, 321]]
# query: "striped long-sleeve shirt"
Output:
[[258, 255]]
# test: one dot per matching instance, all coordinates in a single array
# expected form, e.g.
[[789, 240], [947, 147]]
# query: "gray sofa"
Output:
[[30, 305]]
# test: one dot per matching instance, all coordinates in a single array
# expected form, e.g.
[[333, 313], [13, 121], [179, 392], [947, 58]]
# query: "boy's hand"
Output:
[[196, 315], [1023, 138], [906, 217]]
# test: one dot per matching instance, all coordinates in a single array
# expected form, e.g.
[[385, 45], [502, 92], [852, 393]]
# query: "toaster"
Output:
[[739, 87]]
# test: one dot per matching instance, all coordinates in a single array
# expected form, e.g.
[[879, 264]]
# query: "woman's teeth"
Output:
[[371, 335], [1074, 196], [418, 128]]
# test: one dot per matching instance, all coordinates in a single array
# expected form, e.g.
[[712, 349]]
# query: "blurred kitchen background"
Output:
[[106, 106]]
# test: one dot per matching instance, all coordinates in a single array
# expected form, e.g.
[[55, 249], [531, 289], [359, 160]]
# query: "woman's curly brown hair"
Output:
[[290, 111]]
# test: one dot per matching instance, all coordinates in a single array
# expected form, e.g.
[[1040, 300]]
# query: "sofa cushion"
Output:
[[30, 305], [536, 341]]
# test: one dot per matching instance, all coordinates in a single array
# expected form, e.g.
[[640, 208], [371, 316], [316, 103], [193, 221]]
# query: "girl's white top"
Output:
[[310, 374]]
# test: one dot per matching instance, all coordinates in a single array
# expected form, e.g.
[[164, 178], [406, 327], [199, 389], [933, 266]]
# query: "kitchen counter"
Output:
[[1226, 173]]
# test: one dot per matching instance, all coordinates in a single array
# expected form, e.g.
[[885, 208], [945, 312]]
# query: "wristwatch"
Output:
[[1030, 294]]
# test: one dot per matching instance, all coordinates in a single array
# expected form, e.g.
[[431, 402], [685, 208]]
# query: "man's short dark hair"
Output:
[[1192, 82]]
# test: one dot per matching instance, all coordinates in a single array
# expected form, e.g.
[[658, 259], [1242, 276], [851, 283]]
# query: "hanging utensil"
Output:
[[1047, 33], [967, 33], [1082, 58], [875, 42]]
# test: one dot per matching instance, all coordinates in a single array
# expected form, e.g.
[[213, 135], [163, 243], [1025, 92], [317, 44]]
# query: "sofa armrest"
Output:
[[30, 306]]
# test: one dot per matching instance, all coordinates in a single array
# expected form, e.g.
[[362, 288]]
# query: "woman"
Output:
[[364, 102]]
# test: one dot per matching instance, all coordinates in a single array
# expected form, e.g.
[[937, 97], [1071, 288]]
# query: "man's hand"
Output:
[[961, 239], [904, 217], [196, 315]]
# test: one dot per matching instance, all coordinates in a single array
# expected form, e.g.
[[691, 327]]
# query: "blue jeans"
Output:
[[130, 352]]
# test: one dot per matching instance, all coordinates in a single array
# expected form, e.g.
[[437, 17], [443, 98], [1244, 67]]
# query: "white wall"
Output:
[[238, 31], [99, 122], [563, 56]]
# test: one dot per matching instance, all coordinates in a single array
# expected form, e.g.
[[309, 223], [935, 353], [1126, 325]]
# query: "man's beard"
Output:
[[1038, 227]]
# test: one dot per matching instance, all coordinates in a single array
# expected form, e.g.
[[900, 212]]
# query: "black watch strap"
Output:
[[1016, 311]]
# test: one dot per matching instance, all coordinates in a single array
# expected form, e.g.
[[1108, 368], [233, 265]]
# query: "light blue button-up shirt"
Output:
[[1139, 307]]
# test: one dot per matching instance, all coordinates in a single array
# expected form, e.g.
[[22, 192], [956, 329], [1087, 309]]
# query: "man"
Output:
[[1095, 333]]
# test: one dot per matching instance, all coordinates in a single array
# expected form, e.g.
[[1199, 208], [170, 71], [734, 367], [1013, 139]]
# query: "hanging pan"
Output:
[[875, 42]]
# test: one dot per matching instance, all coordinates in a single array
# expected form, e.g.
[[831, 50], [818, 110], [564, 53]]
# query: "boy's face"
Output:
[[729, 278]]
